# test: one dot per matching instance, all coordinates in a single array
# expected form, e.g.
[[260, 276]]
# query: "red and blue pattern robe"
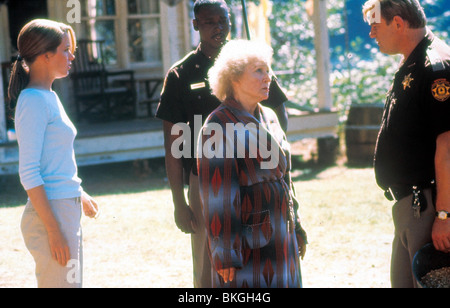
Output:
[[248, 207]]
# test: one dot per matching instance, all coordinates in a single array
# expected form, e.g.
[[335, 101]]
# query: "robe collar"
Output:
[[239, 111], [244, 116]]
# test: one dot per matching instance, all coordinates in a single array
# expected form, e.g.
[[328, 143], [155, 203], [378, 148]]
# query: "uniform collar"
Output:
[[200, 59], [200, 52], [419, 51], [261, 119]]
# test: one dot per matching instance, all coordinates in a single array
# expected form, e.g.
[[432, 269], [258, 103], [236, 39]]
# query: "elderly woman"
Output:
[[254, 234]]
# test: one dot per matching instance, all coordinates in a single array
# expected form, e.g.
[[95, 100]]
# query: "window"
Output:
[[131, 30], [144, 31]]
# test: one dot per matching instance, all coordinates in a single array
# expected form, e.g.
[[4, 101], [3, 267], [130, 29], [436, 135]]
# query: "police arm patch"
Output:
[[441, 89]]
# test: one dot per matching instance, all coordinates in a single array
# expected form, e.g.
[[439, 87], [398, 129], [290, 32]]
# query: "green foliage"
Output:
[[353, 79], [366, 82], [293, 42]]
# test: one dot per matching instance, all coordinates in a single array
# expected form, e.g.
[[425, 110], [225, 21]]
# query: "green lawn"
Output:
[[135, 243]]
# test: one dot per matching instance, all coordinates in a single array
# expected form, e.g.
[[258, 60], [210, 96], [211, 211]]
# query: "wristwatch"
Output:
[[443, 215]]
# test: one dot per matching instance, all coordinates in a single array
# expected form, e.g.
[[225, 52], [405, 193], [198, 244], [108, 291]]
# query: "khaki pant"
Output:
[[411, 234], [199, 243], [49, 273]]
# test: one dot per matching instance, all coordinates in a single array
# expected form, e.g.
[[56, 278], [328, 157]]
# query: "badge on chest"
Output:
[[407, 81], [440, 89], [196, 86]]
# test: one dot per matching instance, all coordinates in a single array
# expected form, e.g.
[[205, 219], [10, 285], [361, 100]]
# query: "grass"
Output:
[[135, 243], [349, 229]]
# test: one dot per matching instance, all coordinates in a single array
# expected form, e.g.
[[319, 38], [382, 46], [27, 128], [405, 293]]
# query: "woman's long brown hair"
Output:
[[36, 37]]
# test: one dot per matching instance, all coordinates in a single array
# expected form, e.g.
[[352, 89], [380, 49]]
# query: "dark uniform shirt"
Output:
[[417, 110], [187, 93]]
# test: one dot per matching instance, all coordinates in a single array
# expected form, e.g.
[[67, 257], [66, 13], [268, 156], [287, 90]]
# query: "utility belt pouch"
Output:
[[419, 201]]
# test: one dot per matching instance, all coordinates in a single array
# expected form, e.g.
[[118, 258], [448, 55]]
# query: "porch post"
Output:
[[3, 134], [4, 56], [322, 46]]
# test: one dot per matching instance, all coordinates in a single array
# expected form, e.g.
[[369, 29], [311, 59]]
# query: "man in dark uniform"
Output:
[[186, 94], [412, 156]]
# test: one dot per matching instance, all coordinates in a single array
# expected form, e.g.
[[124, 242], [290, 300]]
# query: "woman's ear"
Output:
[[48, 55]]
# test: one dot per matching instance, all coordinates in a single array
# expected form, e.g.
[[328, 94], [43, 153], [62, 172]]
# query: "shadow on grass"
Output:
[[118, 178], [11, 191], [306, 170], [133, 177], [309, 170], [123, 178]]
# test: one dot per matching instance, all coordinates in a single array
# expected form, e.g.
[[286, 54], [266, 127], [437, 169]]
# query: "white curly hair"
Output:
[[231, 64]]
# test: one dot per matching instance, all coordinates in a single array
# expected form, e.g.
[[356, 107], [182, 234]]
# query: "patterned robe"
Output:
[[248, 203]]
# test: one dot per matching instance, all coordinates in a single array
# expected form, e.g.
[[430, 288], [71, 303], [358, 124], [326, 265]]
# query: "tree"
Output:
[[359, 73]]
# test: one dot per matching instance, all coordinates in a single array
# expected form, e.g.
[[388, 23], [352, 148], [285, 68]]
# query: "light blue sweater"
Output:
[[45, 135]]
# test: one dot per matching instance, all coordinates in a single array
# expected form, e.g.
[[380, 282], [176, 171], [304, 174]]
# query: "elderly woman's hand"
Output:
[[301, 246], [227, 274], [302, 240]]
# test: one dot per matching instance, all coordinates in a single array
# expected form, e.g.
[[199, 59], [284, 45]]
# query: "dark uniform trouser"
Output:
[[411, 234], [200, 257]]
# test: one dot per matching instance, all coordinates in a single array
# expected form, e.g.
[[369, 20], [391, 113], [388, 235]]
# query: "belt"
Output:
[[419, 201], [398, 192]]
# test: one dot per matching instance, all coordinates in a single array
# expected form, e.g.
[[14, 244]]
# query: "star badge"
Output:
[[407, 82]]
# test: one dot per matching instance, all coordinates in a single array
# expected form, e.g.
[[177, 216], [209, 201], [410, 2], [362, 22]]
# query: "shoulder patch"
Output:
[[440, 89], [437, 64]]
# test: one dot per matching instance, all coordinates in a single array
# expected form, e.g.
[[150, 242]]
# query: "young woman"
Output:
[[47, 168]]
